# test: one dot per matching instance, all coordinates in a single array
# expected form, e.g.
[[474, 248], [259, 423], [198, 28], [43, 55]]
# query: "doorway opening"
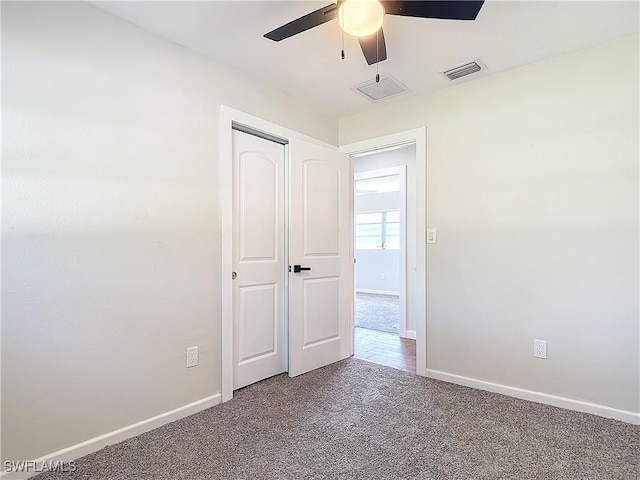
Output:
[[384, 194]]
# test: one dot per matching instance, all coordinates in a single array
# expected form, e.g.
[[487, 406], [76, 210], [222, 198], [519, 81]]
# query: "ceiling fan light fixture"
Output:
[[360, 18]]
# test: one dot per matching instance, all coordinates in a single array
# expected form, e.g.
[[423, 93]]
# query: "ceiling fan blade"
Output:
[[306, 22], [373, 47], [447, 10]]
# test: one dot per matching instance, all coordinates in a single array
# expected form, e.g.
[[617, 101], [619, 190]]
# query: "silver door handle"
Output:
[[234, 275]]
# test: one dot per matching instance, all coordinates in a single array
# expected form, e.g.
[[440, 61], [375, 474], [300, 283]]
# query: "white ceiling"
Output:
[[307, 66]]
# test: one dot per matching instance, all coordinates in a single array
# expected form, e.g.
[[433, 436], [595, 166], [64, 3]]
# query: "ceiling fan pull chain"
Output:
[[342, 39], [378, 56]]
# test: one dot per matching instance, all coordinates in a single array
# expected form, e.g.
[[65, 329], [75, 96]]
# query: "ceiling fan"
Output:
[[364, 18]]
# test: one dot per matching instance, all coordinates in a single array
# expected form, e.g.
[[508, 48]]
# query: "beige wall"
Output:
[[532, 183], [110, 238]]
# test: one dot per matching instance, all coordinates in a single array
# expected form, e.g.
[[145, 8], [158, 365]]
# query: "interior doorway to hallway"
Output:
[[384, 191]]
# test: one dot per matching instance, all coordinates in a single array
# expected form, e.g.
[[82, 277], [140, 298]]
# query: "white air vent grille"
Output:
[[463, 70], [387, 87]]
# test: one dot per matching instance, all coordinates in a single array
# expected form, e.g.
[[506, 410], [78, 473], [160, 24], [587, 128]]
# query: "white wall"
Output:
[[532, 183], [404, 156], [378, 271], [110, 235]]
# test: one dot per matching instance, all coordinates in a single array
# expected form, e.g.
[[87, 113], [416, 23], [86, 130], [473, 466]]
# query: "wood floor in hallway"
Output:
[[385, 349]]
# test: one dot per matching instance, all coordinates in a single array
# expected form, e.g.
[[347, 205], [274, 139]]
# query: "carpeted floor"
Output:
[[358, 420], [378, 312]]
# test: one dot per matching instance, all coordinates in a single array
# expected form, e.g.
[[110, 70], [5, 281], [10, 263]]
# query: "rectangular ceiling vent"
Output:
[[387, 87], [463, 70]]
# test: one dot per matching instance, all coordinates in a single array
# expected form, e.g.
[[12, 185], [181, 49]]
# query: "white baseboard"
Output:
[[539, 397], [408, 334], [377, 292], [94, 444]]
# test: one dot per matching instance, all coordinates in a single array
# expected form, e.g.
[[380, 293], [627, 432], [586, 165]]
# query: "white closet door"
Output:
[[258, 259]]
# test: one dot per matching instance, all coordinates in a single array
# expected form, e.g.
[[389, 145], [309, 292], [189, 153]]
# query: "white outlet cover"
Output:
[[192, 357], [540, 348]]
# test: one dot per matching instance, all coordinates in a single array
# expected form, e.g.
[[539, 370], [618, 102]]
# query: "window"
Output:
[[378, 230], [371, 186]]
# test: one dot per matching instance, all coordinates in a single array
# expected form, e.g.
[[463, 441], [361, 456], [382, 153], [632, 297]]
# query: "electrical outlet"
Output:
[[192, 356], [540, 348]]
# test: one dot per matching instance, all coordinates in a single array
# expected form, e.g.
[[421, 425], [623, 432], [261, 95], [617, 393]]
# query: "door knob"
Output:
[[234, 275], [298, 268]]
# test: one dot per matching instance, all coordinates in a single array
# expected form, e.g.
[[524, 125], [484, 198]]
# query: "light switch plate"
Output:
[[431, 235]]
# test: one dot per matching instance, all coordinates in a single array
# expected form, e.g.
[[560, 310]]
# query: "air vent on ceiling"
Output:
[[463, 70], [387, 87]]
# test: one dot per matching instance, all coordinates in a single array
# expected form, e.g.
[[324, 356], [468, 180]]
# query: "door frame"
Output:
[[401, 171], [418, 305], [269, 130]]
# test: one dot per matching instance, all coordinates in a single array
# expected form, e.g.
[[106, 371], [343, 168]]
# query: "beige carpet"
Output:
[[378, 312], [358, 420]]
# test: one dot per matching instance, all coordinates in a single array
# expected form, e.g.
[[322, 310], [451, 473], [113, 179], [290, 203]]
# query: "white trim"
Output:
[[225, 171], [228, 116], [285, 237], [352, 256], [539, 397], [94, 444], [377, 292], [410, 334], [417, 311]]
